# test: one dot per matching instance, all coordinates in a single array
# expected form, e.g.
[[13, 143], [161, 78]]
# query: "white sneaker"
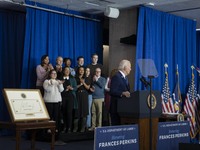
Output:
[[91, 129]]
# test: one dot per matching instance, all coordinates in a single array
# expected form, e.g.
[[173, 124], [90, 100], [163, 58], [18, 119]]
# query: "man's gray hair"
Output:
[[123, 64]]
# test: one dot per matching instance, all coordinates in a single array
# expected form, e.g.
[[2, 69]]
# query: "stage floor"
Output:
[[8, 143]]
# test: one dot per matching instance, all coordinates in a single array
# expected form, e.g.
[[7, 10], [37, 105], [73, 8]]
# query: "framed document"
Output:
[[25, 105]]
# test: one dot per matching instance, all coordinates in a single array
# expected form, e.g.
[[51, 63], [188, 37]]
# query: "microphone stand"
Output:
[[150, 114], [146, 83]]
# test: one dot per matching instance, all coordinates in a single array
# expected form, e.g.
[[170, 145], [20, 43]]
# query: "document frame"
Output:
[[25, 105]]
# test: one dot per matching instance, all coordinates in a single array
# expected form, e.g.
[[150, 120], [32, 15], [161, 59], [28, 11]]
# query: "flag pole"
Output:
[[192, 67], [179, 100]]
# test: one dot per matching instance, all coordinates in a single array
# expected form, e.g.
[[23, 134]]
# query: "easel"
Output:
[[33, 126], [28, 112]]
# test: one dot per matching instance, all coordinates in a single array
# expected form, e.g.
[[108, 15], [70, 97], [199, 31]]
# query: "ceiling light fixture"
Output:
[[93, 4], [150, 4], [6, 0]]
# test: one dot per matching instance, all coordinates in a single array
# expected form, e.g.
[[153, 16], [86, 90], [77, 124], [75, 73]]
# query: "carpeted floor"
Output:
[[8, 143]]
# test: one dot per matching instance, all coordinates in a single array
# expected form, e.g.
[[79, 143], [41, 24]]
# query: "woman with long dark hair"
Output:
[[82, 97], [42, 72]]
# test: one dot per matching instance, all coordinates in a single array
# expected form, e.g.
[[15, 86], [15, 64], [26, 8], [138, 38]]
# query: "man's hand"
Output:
[[126, 94]]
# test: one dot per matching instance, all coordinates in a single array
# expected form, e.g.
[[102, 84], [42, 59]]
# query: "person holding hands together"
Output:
[[52, 96]]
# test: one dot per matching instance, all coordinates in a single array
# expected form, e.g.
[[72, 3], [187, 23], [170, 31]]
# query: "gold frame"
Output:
[[25, 105]]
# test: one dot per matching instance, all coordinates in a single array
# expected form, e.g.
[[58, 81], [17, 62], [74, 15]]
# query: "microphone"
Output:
[[144, 81]]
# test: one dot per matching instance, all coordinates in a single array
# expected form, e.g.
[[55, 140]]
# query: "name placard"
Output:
[[116, 137], [170, 134]]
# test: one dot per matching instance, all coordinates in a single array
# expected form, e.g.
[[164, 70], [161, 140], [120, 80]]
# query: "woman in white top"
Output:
[[52, 95]]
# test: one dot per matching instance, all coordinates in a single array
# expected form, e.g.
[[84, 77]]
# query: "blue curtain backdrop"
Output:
[[57, 35], [166, 38], [198, 48], [24, 38], [198, 56], [12, 29]]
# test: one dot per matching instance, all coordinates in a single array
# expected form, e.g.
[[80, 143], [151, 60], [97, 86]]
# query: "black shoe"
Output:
[[82, 130], [75, 130], [63, 131], [69, 130]]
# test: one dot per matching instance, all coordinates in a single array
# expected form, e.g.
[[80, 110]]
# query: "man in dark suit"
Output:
[[119, 88]]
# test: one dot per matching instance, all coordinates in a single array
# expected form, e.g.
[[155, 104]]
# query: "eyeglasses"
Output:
[[53, 73]]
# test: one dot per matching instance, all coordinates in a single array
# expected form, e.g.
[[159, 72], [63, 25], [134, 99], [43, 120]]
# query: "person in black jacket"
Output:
[[69, 102], [119, 87]]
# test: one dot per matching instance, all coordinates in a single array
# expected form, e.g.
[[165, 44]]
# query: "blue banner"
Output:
[[170, 134], [116, 138]]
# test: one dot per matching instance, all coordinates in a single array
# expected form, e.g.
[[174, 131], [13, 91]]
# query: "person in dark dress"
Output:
[[82, 97], [69, 102]]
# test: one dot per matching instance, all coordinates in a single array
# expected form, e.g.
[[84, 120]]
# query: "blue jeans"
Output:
[[89, 111]]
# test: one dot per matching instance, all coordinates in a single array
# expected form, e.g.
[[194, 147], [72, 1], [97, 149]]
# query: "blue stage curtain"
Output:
[[166, 38], [12, 30], [57, 35], [198, 48]]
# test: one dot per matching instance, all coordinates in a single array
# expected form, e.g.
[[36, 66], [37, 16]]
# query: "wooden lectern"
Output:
[[136, 110]]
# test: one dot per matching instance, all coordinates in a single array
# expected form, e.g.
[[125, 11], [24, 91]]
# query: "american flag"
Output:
[[196, 68], [177, 96], [190, 108], [167, 102]]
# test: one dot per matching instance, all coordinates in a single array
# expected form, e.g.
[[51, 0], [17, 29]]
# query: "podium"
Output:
[[136, 110]]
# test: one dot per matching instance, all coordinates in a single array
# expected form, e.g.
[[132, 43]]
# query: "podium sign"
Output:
[[138, 105], [116, 137], [170, 134]]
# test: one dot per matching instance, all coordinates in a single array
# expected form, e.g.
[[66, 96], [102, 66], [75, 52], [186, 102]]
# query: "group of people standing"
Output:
[[76, 95]]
